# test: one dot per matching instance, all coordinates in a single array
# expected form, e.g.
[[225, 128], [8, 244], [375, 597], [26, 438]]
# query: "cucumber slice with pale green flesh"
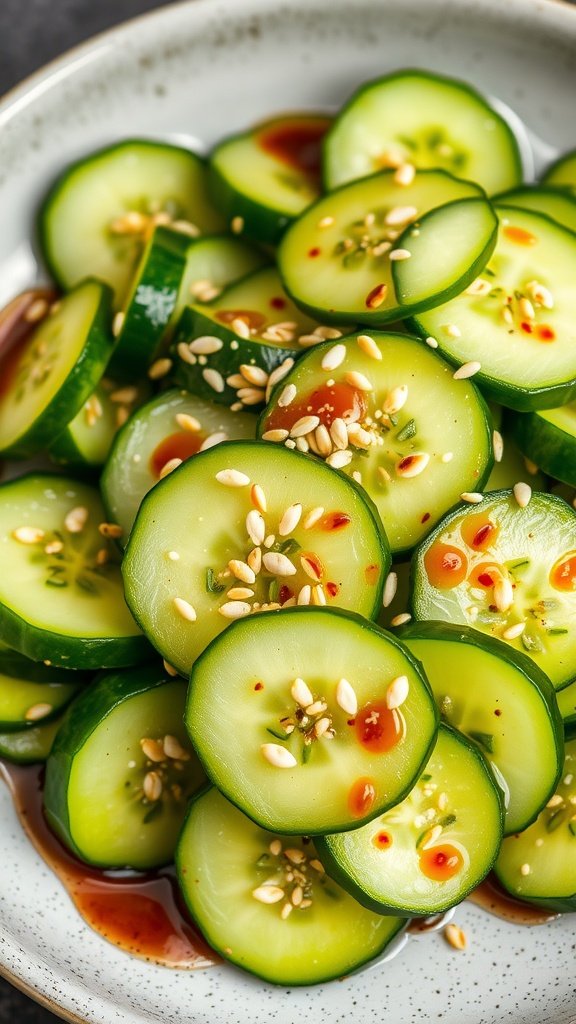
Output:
[[150, 302], [227, 351], [562, 171], [557, 203], [423, 120], [213, 263], [310, 720], [503, 702], [360, 268], [498, 567], [264, 178], [548, 438], [174, 425], [98, 215], [267, 905], [242, 527], [45, 382], [517, 318], [88, 438], [413, 460], [29, 746], [427, 853], [32, 693], [539, 865], [121, 771], [61, 594]]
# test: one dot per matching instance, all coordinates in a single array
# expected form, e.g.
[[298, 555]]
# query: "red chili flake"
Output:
[[406, 462], [259, 686], [334, 521], [285, 593], [332, 589], [526, 327], [485, 579], [546, 333], [351, 721], [425, 517], [314, 252], [278, 303], [497, 712], [481, 535], [383, 840]]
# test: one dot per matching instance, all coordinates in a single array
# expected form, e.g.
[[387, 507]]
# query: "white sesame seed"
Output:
[[400, 254], [507, 315], [242, 571], [169, 467], [522, 493], [288, 395], [431, 837], [185, 354], [514, 631], [304, 425], [568, 779], [358, 380], [497, 445], [301, 693], [254, 560], [397, 692], [472, 497], [400, 215], [404, 174], [369, 347], [169, 669], [159, 369], [478, 287], [258, 498], [214, 379], [239, 593], [268, 894], [276, 435], [333, 357], [318, 595], [38, 711], [118, 323], [346, 697], [216, 438], [321, 726], [240, 327], [205, 345], [390, 588], [447, 457], [525, 869], [289, 443], [359, 437], [232, 478], [128, 394], [555, 800], [325, 222], [278, 564], [323, 441], [187, 422], [412, 465], [467, 370], [76, 519], [152, 786], [442, 801], [185, 609], [255, 526], [305, 595], [278, 374], [251, 396], [237, 225], [254, 375], [286, 911], [312, 517], [503, 594], [275, 847], [28, 534], [526, 309], [339, 459], [431, 342], [540, 295], [234, 609], [455, 936], [290, 519], [395, 400], [55, 546], [278, 756], [339, 433], [401, 620]]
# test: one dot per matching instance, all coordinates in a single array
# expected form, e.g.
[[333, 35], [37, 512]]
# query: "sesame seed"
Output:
[[390, 588], [522, 493], [240, 593], [242, 571], [169, 467], [412, 465], [514, 631], [54, 547], [400, 254], [555, 801], [442, 801], [327, 333], [339, 459], [339, 433], [431, 342], [404, 174], [268, 894], [152, 786], [304, 425], [258, 498], [128, 395], [526, 309], [237, 225], [288, 395], [278, 564], [358, 380], [359, 437], [254, 560], [467, 370], [173, 556], [395, 400], [503, 594], [369, 347], [290, 519], [431, 837], [174, 749], [540, 295], [76, 519], [216, 438], [214, 379], [321, 726], [401, 620], [277, 435], [38, 711], [568, 780], [346, 697], [240, 327], [400, 215], [254, 375], [530, 466], [185, 227], [255, 526], [312, 517], [278, 756], [311, 566], [377, 296], [318, 595], [185, 354], [232, 478], [286, 911], [118, 323], [497, 445], [251, 396], [472, 497], [112, 530], [397, 692], [309, 340], [305, 595], [323, 441], [28, 535], [152, 749], [447, 457], [205, 345], [301, 693], [278, 374], [275, 847], [169, 668], [455, 936], [159, 369], [184, 609], [234, 609], [525, 869], [333, 357], [326, 222]]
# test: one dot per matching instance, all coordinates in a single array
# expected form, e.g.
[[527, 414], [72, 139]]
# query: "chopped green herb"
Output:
[[408, 431], [212, 584], [425, 777], [531, 643], [288, 547], [263, 861], [306, 751], [556, 631], [273, 590], [556, 819], [447, 821], [277, 735]]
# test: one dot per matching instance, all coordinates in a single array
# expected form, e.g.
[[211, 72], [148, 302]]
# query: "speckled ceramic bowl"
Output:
[[193, 72]]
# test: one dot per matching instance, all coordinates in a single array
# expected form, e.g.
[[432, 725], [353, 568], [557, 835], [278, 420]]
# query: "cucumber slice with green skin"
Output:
[[557, 203], [227, 351], [308, 737], [88, 438], [517, 318], [427, 853], [98, 215], [539, 865], [499, 566], [121, 771], [243, 527], [334, 260], [502, 702], [150, 302], [29, 746], [566, 699], [401, 457], [562, 171], [424, 120], [548, 438], [213, 263], [224, 861], [47, 380], [174, 425], [267, 176], [31, 693], [65, 604]]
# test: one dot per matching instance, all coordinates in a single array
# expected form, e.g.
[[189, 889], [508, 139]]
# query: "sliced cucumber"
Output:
[[502, 566], [88, 438], [567, 706], [99, 213], [374, 250], [32, 693], [425, 120], [562, 171], [557, 203], [46, 381], [61, 594], [267, 176], [174, 425], [548, 438], [516, 319], [242, 526], [539, 865], [121, 771], [308, 737], [238, 880], [399, 457], [226, 351], [427, 853], [150, 302], [29, 746], [503, 702]]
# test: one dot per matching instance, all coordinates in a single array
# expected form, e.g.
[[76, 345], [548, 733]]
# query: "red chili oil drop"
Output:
[[251, 317], [176, 446], [259, 686], [284, 594], [446, 566], [425, 517], [338, 400], [332, 589], [361, 797], [563, 573], [497, 712], [484, 575], [479, 532], [382, 840], [278, 303], [519, 235], [314, 252], [334, 521], [546, 333], [378, 728], [296, 142], [440, 863]]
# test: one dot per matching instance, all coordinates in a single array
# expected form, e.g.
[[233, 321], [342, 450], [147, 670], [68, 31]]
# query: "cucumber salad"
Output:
[[296, 554]]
